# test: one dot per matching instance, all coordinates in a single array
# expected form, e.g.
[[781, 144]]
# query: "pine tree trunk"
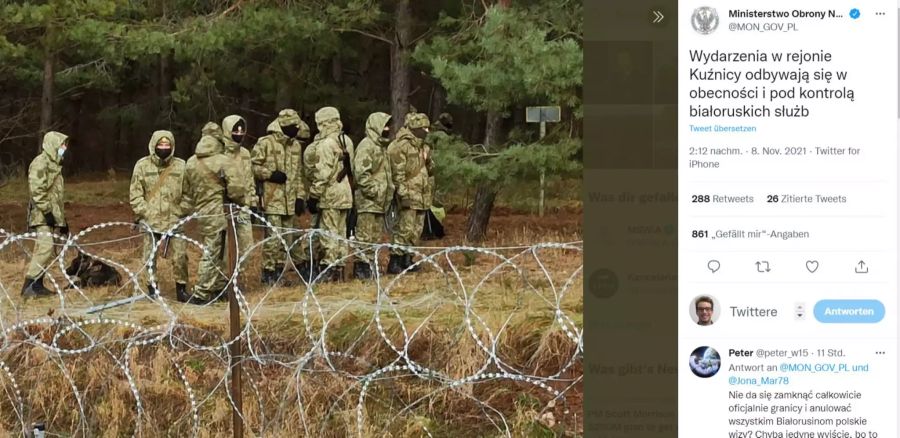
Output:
[[483, 203], [367, 53], [480, 214], [165, 80], [283, 90], [400, 65], [337, 70], [47, 97], [438, 101]]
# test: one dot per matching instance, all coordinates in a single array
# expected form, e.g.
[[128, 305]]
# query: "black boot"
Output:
[[268, 277], [336, 274], [193, 299], [305, 269], [362, 271], [35, 288], [319, 271], [330, 274], [28, 290], [189, 297], [408, 263], [151, 291], [395, 264], [181, 293]]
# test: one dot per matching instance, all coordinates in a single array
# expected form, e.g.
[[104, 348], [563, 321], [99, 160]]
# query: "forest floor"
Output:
[[469, 314]]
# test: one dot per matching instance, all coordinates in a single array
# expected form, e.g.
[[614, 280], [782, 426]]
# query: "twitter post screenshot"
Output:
[[787, 210]]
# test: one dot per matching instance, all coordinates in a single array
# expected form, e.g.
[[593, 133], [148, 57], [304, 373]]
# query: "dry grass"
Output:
[[426, 318]]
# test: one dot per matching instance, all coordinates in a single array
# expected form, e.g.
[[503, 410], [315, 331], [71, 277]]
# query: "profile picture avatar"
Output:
[[704, 310], [705, 20], [705, 362]]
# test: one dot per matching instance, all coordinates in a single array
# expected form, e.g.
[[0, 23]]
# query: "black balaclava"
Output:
[[163, 153], [420, 133], [238, 131], [290, 131], [385, 137]]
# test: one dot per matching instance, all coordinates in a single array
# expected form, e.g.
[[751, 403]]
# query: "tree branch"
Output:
[[231, 9], [370, 35], [425, 34]]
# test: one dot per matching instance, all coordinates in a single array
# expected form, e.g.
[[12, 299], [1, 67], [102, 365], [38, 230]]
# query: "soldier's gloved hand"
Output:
[[313, 205], [50, 220], [278, 177], [299, 207]]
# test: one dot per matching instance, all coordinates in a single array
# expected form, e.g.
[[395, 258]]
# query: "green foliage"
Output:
[[224, 56], [91, 40], [471, 165], [502, 61], [263, 43], [509, 58]]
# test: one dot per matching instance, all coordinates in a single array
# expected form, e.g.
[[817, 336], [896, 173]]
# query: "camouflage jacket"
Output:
[[156, 184], [277, 152], [411, 167], [241, 156], [45, 183], [208, 175], [322, 163], [374, 187]]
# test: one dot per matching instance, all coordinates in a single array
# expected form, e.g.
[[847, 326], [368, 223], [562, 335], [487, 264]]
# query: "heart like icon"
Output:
[[812, 265]]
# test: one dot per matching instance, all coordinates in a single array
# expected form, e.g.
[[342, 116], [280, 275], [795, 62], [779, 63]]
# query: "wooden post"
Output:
[[541, 202], [234, 325]]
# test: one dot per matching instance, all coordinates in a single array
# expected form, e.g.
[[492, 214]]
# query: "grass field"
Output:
[[313, 354]]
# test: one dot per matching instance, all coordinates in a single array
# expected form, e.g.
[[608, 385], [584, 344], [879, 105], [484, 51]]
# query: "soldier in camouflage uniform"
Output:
[[46, 209], [374, 187], [327, 168], [211, 179], [440, 134], [278, 166], [444, 124], [155, 197], [411, 168], [234, 128]]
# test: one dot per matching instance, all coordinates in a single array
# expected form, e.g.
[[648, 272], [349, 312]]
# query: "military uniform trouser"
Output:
[[368, 230], [211, 274], [177, 254], [243, 228], [408, 229], [274, 254], [334, 223], [42, 254]]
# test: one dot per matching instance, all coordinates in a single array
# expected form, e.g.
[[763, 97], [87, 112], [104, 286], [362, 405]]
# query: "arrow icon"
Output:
[[657, 17], [861, 268], [762, 266]]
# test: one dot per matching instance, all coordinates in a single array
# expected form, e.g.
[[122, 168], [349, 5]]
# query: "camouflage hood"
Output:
[[328, 120], [275, 129], [211, 141], [154, 140], [52, 141], [228, 124], [375, 126], [405, 134], [212, 129]]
